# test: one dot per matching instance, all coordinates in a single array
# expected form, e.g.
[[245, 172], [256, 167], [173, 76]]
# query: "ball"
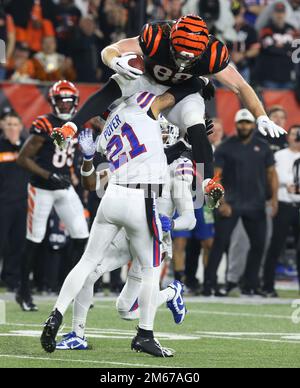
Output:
[[137, 63]]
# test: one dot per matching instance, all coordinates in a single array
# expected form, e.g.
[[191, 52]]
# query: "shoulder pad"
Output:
[[184, 170], [219, 57], [41, 125]]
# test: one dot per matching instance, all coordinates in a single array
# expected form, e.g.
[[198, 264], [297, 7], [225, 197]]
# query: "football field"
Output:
[[227, 333]]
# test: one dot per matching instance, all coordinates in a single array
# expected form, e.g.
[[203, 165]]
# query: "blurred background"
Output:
[[50, 40]]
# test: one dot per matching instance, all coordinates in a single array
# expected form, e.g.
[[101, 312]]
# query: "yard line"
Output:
[[81, 361], [246, 315], [250, 339]]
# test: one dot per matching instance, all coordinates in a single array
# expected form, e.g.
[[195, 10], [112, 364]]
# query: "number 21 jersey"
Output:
[[132, 143]]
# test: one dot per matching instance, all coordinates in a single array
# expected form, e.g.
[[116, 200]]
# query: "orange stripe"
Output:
[[8, 157], [213, 56], [150, 36], [47, 123], [31, 203], [223, 55], [41, 124], [145, 32], [156, 42]]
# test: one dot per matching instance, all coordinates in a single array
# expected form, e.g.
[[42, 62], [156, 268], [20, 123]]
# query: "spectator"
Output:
[[86, 51], [13, 200], [292, 11], [66, 20], [218, 134], [33, 21], [274, 65], [173, 9], [246, 165], [245, 48], [8, 35], [51, 66], [21, 68], [254, 8], [288, 170]]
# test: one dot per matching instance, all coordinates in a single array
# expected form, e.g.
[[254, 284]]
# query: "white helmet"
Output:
[[170, 133]]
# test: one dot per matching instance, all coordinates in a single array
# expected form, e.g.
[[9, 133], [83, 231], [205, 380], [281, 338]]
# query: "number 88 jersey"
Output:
[[156, 46], [49, 156]]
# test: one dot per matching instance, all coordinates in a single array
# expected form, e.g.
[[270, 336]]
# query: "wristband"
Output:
[[87, 173]]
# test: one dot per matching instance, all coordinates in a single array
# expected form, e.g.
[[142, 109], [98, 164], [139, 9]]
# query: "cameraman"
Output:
[[288, 169]]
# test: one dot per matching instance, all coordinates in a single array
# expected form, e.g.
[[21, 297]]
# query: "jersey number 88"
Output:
[[165, 74]]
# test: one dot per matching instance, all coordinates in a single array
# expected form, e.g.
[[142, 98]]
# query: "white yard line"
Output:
[[103, 362], [297, 342]]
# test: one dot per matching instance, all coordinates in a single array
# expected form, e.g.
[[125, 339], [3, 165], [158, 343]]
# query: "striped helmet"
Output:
[[189, 38]]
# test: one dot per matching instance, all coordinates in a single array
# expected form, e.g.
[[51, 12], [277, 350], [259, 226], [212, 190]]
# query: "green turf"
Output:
[[216, 338]]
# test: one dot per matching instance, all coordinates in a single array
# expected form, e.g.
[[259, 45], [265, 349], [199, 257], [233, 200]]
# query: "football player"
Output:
[[132, 143], [176, 194], [50, 184], [173, 51]]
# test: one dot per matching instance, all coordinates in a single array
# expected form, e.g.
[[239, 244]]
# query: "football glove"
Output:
[[209, 90], [59, 181], [60, 135], [120, 65], [166, 223], [213, 191], [87, 144], [267, 126]]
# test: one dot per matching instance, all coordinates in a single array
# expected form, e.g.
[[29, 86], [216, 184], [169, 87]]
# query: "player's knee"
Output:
[[192, 118]]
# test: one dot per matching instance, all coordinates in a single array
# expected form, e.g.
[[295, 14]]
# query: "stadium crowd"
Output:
[[62, 39], [58, 39]]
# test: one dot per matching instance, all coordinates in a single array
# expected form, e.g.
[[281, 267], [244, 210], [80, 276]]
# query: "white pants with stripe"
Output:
[[66, 203], [187, 113], [121, 207]]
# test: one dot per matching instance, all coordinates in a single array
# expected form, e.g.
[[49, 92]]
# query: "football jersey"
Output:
[[181, 170], [160, 65], [50, 157], [132, 143]]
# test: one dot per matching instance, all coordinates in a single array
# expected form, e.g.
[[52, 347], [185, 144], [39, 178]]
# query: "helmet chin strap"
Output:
[[65, 116]]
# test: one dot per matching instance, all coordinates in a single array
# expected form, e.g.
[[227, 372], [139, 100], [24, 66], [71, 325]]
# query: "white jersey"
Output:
[[132, 143]]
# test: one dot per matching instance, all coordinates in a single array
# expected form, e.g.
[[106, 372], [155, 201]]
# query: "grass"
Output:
[[226, 335]]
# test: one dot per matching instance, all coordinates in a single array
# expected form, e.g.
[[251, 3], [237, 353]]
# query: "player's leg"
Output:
[[116, 256], [102, 234], [40, 203], [147, 248], [189, 116], [70, 210]]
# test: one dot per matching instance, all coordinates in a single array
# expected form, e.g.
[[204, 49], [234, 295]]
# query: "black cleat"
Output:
[[150, 346], [26, 304], [50, 331]]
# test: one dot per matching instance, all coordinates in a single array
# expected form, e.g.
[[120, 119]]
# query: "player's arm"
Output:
[[183, 199], [117, 56], [88, 149], [231, 78], [26, 157]]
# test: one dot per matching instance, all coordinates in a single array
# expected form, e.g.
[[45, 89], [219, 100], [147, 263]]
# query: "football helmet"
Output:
[[64, 98], [189, 39], [170, 133]]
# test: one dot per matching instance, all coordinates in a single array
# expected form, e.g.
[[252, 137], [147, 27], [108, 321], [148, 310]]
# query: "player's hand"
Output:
[[209, 90], [59, 181], [87, 144], [268, 127], [61, 135], [225, 210], [166, 223], [120, 65], [209, 126]]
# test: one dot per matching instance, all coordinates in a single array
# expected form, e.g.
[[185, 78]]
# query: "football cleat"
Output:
[[213, 191], [150, 346], [177, 305], [70, 341], [50, 331], [26, 304]]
